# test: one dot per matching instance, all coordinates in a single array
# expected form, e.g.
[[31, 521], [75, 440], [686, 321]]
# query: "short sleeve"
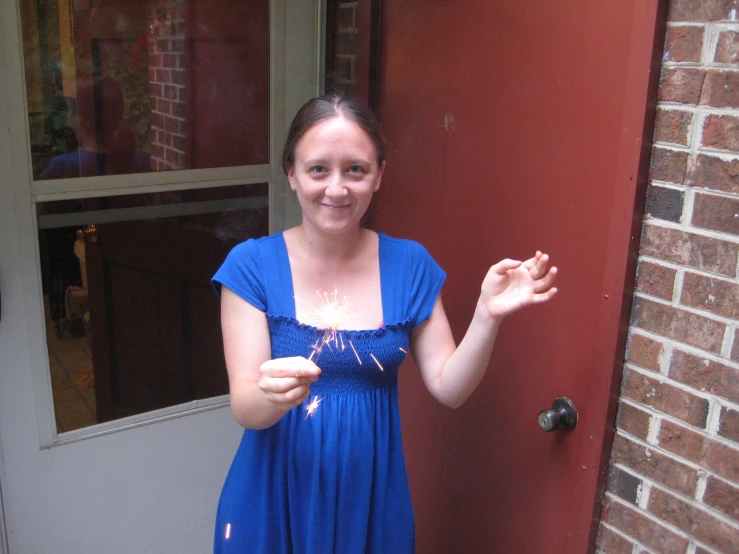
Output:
[[426, 280], [242, 273]]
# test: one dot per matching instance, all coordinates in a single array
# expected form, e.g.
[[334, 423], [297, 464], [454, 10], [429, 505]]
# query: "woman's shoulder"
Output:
[[255, 246], [407, 248]]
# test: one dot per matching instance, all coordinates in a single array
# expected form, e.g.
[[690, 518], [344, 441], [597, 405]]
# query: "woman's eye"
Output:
[[355, 169], [318, 170]]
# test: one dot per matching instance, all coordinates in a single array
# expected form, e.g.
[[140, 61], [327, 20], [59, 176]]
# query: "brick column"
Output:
[[166, 47], [673, 484]]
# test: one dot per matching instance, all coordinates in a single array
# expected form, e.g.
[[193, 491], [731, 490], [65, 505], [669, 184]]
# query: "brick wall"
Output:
[[166, 47], [341, 65], [673, 483]]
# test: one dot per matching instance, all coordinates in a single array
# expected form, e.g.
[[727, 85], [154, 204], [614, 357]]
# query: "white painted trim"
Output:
[[147, 418], [103, 184], [51, 221]]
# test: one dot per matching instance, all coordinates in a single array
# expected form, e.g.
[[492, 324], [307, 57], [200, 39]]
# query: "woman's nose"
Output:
[[336, 187]]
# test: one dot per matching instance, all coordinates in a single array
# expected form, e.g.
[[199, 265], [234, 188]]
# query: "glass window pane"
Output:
[[133, 324], [118, 87]]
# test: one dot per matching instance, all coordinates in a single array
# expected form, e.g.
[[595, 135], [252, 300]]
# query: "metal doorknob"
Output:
[[90, 234], [562, 415]]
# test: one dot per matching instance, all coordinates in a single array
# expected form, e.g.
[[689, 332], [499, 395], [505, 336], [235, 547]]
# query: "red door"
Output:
[[515, 126]]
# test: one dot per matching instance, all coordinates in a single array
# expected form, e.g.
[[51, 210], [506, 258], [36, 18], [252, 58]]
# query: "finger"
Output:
[[531, 262], [547, 281], [540, 267], [544, 296], [503, 266], [277, 369], [291, 398]]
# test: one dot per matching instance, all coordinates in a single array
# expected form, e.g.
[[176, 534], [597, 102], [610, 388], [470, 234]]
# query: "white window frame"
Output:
[[296, 74]]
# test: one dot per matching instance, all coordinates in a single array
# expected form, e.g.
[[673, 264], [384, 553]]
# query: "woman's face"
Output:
[[335, 174]]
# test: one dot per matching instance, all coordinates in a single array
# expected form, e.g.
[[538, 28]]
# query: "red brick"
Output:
[[668, 165], [721, 132], [169, 60], [611, 542], [654, 465], [722, 496], [712, 294], [735, 347], [721, 89], [644, 352], [683, 43], [178, 76], [178, 110], [678, 324], [715, 456], [623, 484], [681, 84], [696, 522], [705, 375], [675, 245], [713, 173], [672, 126], [665, 398], [700, 550], [702, 10], [727, 48], [717, 213], [682, 441], [729, 424], [633, 420], [171, 157], [155, 90], [655, 279], [169, 92], [162, 105], [162, 75], [644, 529]]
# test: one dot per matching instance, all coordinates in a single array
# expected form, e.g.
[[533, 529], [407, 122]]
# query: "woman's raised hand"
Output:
[[510, 285], [286, 381]]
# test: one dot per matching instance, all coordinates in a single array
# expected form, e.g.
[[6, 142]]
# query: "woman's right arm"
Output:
[[262, 389]]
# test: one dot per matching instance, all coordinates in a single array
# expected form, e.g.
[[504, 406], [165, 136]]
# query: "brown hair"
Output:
[[326, 107]]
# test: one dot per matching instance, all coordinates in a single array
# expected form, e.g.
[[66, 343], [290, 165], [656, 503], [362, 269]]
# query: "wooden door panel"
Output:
[[203, 341], [154, 316], [514, 127]]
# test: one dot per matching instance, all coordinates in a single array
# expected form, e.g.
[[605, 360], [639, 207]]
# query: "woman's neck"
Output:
[[328, 247]]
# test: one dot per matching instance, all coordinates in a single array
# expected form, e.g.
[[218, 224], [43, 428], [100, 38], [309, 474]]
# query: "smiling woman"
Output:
[[320, 467]]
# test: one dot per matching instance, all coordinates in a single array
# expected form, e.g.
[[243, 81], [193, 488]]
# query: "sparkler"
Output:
[[331, 316], [312, 406]]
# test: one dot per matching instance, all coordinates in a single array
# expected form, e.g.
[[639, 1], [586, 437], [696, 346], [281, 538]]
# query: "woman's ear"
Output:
[[380, 171], [290, 170]]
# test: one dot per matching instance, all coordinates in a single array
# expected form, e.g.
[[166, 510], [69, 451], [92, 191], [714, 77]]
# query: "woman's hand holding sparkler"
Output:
[[286, 381], [511, 285]]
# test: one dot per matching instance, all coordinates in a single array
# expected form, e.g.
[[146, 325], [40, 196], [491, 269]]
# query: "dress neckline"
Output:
[[293, 310]]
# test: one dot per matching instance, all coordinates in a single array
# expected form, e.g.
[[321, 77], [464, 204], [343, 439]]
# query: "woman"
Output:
[[320, 467]]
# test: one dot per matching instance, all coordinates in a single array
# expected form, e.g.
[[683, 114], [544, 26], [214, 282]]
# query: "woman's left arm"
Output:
[[451, 373]]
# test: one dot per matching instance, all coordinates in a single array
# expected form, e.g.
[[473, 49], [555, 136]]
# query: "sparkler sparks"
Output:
[[312, 406], [331, 316]]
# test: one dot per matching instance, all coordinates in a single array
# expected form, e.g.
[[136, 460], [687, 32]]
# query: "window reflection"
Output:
[[133, 324], [118, 88]]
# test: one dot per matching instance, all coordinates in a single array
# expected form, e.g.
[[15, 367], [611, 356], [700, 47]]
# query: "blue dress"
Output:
[[333, 481]]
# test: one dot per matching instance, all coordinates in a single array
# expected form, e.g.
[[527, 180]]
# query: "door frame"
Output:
[[287, 57], [627, 211], [296, 49]]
